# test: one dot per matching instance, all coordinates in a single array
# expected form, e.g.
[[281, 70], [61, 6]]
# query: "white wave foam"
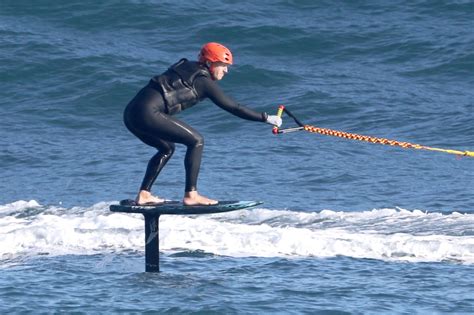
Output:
[[18, 206], [387, 234]]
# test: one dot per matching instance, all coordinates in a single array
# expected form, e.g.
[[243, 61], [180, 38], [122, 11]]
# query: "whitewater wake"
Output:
[[29, 229]]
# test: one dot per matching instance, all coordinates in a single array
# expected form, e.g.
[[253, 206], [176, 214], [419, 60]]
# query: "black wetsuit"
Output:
[[149, 116]]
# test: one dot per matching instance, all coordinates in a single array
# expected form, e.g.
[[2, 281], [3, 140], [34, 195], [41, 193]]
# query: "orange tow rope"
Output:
[[353, 136]]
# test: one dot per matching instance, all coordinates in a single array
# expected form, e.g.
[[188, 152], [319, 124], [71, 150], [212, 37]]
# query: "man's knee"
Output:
[[198, 140], [168, 150]]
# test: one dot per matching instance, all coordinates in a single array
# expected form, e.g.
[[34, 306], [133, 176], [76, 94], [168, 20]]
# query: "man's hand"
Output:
[[273, 120]]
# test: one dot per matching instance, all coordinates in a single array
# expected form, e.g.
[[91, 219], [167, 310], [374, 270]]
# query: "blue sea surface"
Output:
[[347, 227]]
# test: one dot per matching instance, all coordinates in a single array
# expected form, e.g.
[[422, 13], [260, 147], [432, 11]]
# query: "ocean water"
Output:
[[346, 227]]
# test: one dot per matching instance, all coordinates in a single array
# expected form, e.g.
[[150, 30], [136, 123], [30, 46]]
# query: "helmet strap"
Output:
[[210, 66]]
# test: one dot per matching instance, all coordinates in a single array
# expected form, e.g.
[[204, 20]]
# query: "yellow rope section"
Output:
[[353, 136]]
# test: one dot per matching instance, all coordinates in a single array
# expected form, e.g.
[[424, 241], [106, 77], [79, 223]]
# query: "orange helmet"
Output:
[[214, 52]]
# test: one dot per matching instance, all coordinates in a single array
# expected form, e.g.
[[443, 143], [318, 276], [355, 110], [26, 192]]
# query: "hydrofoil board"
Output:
[[177, 207]]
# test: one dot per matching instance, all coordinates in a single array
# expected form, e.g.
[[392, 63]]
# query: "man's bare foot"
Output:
[[145, 197], [193, 198]]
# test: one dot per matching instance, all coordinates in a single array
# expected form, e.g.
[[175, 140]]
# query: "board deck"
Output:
[[176, 207]]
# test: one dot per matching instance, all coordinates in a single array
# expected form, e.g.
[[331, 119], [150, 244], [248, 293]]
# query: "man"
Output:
[[149, 116]]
